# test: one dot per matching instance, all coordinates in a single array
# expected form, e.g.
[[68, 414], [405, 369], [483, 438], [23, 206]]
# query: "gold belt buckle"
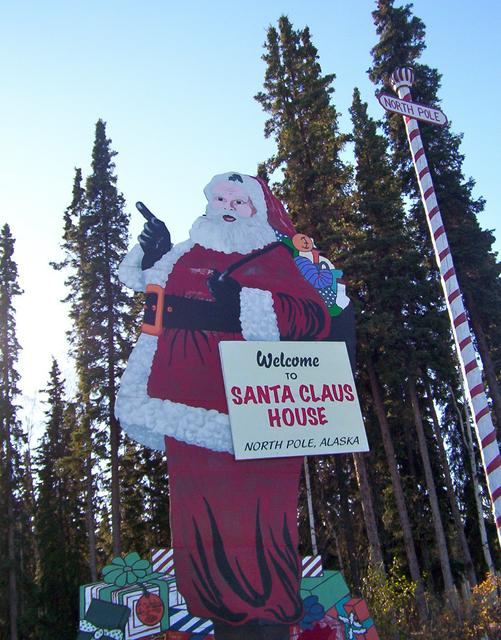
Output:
[[155, 329]]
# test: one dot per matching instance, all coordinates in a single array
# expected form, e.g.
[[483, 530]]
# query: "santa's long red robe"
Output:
[[233, 523]]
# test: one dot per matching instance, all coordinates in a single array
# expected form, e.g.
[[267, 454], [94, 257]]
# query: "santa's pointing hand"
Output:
[[154, 239]]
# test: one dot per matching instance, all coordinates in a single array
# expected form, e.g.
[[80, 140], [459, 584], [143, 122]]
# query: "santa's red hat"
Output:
[[278, 218], [267, 205]]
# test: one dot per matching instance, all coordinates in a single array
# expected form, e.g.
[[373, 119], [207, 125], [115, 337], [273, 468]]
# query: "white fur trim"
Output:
[[161, 270], [131, 274], [129, 270], [147, 420], [257, 315]]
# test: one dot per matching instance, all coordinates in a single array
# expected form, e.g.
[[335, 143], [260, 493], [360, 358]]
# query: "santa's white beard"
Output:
[[243, 235]]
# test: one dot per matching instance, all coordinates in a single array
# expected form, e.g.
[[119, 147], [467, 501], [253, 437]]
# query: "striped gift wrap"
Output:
[[312, 566], [163, 560], [175, 598], [182, 620]]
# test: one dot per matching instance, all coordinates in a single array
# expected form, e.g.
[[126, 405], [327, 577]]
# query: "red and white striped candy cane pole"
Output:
[[402, 80]]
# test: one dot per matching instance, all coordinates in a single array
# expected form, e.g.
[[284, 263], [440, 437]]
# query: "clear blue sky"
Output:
[[175, 83]]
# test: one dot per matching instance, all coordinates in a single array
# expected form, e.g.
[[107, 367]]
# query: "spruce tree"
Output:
[[133, 499], [95, 241], [315, 187], [304, 124], [106, 229], [104, 324], [28, 548], [11, 435], [401, 43], [59, 518], [144, 497], [76, 262], [378, 268], [157, 498]]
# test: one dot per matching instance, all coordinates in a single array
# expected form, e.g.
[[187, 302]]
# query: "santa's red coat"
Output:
[[186, 367]]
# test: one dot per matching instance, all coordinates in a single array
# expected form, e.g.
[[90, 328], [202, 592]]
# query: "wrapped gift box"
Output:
[[354, 614], [330, 588], [129, 596], [102, 617], [359, 608], [333, 594]]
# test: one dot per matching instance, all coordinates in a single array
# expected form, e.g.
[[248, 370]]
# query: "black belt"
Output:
[[162, 311]]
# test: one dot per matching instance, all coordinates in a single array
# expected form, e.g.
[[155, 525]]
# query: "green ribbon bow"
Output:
[[131, 569], [99, 632]]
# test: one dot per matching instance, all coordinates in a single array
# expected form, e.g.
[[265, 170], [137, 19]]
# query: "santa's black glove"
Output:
[[226, 292], [154, 239]]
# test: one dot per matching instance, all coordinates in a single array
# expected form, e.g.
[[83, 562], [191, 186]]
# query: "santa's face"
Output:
[[232, 222], [230, 201]]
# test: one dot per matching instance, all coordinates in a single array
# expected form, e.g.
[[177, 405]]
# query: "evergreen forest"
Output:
[[410, 523]]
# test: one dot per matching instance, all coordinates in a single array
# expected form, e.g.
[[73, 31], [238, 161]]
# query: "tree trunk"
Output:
[[91, 525], [327, 520], [398, 492], [488, 365], [311, 516], [31, 507], [114, 424], [115, 486], [346, 519], [89, 500], [339, 555], [376, 554], [11, 542], [450, 589], [468, 442], [466, 555]]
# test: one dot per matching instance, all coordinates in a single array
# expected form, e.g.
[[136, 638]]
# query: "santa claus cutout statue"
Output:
[[233, 523]]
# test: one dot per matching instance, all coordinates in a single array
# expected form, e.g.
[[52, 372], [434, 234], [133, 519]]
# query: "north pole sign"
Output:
[[412, 109], [291, 399]]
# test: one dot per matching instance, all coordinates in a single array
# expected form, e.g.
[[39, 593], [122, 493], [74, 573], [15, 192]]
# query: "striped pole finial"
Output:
[[402, 79]]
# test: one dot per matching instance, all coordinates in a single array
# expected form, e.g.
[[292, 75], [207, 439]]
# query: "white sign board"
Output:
[[412, 109], [291, 399]]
